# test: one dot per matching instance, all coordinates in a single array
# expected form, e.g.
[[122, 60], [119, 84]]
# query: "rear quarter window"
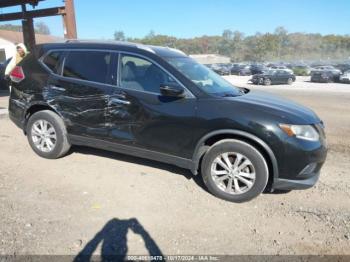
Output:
[[52, 61], [88, 65]]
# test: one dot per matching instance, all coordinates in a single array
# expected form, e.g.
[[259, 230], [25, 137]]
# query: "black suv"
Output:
[[272, 77], [158, 103]]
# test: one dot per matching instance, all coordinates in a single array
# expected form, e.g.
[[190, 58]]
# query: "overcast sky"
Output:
[[188, 18]]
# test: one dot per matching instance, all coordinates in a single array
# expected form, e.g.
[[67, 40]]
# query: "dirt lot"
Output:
[[136, 206]]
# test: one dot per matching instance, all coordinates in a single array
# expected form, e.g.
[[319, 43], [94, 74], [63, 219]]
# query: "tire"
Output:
[[290, 81], [221, 187], [56, 134], [267, 81]]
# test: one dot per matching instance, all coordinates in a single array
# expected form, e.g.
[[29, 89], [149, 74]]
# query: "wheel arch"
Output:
[[34, 108], [211, 138]]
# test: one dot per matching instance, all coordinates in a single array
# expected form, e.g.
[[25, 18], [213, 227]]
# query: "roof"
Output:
[[159, 50], [17, 37]]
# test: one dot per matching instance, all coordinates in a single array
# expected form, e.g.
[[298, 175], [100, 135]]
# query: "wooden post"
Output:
[[69, 24], [28, 30]]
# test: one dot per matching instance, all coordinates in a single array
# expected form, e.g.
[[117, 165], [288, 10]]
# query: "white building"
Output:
[[7, 49], [207, 59], [8, 40]]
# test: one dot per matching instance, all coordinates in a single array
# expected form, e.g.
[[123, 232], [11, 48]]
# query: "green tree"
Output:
[[119, 36], [42, 28]]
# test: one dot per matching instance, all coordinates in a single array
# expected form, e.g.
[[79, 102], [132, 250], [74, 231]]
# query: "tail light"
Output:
[[17, 74]]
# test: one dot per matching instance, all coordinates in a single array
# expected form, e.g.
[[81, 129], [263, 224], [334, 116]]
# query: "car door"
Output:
[[79, 92], [140, 117], [277, 76]]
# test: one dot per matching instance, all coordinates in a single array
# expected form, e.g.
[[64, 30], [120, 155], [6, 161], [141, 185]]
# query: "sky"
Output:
[[190, 18]]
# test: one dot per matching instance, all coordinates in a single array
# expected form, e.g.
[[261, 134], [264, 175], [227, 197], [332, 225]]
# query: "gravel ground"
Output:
[[135, 206]]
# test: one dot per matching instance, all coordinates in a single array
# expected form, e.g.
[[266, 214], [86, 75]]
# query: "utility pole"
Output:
[[69, 24], [28, 29]]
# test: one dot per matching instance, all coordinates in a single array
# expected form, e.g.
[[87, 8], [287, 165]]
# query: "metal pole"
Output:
[[69, 24]]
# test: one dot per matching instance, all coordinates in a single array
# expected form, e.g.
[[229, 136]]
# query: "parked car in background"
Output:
[[345, 77], [331, 74], [240, 69], [301, 70], [159, 104], [271, 77], [258, 69], [343, 67], [281, 67], [323, 77], [3, 81], [221, 69], [325, 74]]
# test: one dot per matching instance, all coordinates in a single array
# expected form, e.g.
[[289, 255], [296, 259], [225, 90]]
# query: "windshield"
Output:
[[204, 78]]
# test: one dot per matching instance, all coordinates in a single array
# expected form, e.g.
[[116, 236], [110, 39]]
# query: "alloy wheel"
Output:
[[44, 135], [233, 173]]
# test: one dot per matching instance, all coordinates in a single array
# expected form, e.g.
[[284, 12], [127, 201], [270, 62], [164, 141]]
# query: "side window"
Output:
[[52, 61], [140, 74], [88, 65]]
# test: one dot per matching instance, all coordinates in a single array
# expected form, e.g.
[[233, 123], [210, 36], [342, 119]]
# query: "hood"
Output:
[[289, 111]]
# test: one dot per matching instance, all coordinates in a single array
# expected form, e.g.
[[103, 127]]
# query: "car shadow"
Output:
[[113, 240], [140, 161]]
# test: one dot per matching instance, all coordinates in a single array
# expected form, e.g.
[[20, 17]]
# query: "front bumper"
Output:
[[300, 162], [289, 184]]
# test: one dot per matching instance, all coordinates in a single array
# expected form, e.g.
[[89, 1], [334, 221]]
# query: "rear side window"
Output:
[[52, 61], [88, 65]]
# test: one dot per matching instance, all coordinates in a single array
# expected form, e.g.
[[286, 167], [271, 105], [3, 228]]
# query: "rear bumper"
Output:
[[16, 121], [289, 184]]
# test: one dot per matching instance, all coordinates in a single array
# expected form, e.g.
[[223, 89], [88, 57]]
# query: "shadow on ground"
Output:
[[113, 238]]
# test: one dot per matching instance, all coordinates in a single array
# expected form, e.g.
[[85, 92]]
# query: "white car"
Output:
[[345, 78]]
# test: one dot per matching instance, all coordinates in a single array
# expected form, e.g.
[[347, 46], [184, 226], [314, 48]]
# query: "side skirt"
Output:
[[133, 151]]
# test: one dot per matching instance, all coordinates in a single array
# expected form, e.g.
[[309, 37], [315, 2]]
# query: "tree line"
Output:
[[39, 28], [277, 46]]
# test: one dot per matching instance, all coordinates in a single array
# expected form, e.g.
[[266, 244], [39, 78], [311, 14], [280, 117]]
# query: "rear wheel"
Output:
[[234, 170], [47, 135], [267, 81]]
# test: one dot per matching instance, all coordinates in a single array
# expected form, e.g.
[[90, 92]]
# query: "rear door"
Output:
[[279, 77], [139, 116], [80, 89]]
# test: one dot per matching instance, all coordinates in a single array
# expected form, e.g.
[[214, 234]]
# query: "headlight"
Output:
[[306, 132]]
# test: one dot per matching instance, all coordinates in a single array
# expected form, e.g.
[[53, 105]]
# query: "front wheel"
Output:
[[47, 135], [234, 170], [267, 81]]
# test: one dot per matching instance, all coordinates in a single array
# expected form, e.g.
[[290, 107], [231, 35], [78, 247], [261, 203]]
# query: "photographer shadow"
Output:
[[113, 237]]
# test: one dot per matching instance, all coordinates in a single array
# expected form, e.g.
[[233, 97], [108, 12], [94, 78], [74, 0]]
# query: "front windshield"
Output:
[[207, 80]]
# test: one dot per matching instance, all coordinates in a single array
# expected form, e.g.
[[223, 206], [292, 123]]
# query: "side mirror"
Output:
[[173, 90]]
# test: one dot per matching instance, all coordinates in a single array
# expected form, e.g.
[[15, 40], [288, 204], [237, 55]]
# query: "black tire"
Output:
[[62, 144], [255, 157], [267, 81]]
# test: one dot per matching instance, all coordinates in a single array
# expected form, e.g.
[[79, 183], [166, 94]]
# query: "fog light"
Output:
[[310, 168]]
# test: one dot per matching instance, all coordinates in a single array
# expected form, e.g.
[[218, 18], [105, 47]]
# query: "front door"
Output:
[[139, 116], [80, 92]]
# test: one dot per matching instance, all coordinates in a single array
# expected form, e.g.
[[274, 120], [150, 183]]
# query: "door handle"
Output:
[[58, 88], [118, 101]]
